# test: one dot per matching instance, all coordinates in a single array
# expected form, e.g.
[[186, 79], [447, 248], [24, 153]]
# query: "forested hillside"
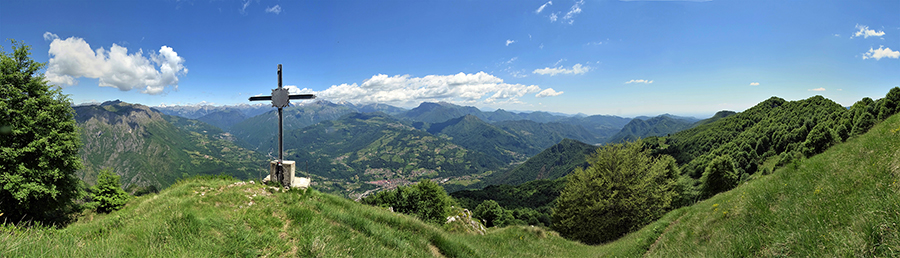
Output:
[[148, 148], [657, 126], [555, 162]]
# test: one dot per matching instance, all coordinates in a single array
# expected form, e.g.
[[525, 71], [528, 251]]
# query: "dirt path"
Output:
[[653, 246]]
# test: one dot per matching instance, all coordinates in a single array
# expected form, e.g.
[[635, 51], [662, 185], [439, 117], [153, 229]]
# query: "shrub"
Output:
[[490, 212], [108, 192], [426, 200], [719, 176]]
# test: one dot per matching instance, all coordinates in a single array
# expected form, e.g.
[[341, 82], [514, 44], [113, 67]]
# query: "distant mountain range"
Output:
[[350, 149]]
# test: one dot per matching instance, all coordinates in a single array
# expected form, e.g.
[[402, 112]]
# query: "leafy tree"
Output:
[[819, 139], [623, 189], [490, 212], [108, 192], [863, 123], [720, 176], [426, 200], [891, 103], [39, 142]]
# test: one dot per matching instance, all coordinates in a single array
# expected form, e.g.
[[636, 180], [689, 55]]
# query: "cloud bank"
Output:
[[405, 90], [552, 71], [72, 58]]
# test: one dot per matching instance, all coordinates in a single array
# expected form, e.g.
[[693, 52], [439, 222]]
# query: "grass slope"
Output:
[[215, 217], [843, 202]]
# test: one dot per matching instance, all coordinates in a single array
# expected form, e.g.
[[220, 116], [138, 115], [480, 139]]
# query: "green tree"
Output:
[[490, 212], [39, 143], [720, 175], [426, 200], [623, 189], [108, 192], [891, 103], [863, 123], [819, 139]]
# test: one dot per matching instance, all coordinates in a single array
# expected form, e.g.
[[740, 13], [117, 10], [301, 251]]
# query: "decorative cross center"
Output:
[[281, 98]]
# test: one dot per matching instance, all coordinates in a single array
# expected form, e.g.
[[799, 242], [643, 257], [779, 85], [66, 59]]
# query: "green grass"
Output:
[[844, 202], [214, 217]]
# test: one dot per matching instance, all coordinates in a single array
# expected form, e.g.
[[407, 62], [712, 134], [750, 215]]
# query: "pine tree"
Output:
[[108, 192], [39, 143]]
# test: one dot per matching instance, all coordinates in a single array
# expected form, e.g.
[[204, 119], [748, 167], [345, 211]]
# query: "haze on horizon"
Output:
[[625, 58]]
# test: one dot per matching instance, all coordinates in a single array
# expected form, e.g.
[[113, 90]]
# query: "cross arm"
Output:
[[259, 98], [300, 96]]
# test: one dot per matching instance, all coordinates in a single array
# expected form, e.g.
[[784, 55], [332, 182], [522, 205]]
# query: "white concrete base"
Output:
[[289, 177]]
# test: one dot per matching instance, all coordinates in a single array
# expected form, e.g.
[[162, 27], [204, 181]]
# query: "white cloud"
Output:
[[244, 7], [865, 32], [407, 90], [754, 84], [554, 17], [73, 58], [541, 46], [509, 41], [816, 89], [274, 9], [639, 81], [549, 92], [552, 71], [511, 60], [837, 35], [575, 10], [50, 36], [560, 61], [881, 52], [541, 9]]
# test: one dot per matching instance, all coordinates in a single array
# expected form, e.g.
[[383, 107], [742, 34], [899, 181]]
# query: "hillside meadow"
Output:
[[843, 202]]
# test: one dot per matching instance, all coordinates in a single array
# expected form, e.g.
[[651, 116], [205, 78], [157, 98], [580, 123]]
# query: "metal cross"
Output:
[[281, 98]]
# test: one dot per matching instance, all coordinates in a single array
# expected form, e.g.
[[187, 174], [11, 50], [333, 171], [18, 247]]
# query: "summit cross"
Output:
[[281, 98]]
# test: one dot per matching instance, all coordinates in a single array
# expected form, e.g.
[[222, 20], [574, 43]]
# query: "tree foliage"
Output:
[[719, 176], [39, 142], [426, 200], [623, 189], [490, 212], [108, 192]]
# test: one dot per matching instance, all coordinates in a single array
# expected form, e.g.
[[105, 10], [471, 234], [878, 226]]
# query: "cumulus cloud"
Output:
[[509, 41], [408, 90], [754, 84], [817, 89], [274, 9], [639, 81], [576, 69], [549, 92], [50, 36], [541, 9], [73, 57], [554, 16], [881, 52], [865, 32]]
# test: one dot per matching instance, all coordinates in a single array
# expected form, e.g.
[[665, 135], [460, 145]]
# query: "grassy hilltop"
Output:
[[843, 202]]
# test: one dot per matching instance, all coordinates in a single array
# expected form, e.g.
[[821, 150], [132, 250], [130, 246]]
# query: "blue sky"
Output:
[[623, 58]]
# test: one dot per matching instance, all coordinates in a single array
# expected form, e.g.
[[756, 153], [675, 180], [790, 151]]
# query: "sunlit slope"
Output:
[[224, 218], [843, 202]]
